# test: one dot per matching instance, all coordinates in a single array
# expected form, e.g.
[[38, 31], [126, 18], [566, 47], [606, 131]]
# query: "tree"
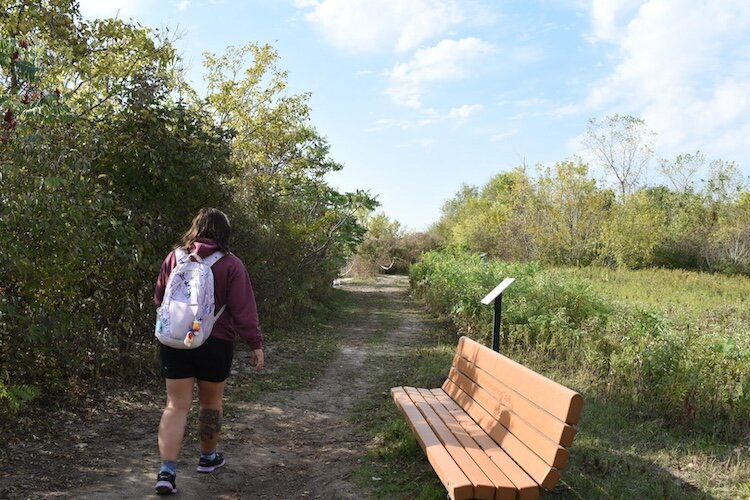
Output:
[[688, 226], [451, 212], [623, 145], [106, 154], [634, 230], [682, 169], [494, 219], [298, 228], [513, 195], [377, 252], [571, 210], [478, 226], [724, 183], [729, 245]]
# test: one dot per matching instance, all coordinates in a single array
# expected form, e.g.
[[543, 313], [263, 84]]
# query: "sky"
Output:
[[417, 97]]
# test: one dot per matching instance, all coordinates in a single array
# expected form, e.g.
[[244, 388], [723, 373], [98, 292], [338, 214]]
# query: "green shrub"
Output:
[[100, 177], [13, 398], [539, 308], [661, 365]]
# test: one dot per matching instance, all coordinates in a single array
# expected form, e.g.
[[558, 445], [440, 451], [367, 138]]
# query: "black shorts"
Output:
[[210, 362]]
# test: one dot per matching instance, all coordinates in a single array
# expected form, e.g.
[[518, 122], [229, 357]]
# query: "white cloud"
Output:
[[358, 26], [683, 66], [462, 113], [182, 5], [501, 136], [528, 102], [122, 9], [401, 124], [422, 142], [448, 60], [457, 116], [607, 16]]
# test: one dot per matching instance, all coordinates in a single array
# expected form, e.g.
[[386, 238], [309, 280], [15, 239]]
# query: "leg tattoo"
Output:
[[209, 423]]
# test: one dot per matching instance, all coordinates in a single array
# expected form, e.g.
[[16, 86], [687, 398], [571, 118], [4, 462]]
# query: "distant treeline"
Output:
[[578, 213], [563, 215], [106, 153]]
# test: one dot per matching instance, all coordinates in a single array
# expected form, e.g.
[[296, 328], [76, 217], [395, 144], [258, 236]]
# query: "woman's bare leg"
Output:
[[211, 397], [174, 418]]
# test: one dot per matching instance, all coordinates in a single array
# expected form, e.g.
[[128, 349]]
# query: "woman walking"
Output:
[[207, 366]]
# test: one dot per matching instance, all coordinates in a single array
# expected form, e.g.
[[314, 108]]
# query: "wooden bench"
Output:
[[495, 429]]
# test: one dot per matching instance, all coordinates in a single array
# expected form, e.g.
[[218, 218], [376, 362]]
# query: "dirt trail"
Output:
[[286, 444]]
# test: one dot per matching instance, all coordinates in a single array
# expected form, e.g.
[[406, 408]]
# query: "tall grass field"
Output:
[[661, 357]]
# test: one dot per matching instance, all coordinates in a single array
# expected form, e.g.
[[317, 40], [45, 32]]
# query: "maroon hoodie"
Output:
[[231, 287]]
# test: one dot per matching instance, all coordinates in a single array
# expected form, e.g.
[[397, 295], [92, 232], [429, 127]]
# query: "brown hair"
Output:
[[209, 223]]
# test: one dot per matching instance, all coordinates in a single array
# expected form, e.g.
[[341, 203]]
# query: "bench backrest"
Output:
[[530, 416]]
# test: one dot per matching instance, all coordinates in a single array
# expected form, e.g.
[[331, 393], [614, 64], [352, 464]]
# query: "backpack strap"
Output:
[[212, 259], [180, 255], [220, 311]]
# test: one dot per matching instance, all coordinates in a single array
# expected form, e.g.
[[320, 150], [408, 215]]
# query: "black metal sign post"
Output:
[[496, 295]]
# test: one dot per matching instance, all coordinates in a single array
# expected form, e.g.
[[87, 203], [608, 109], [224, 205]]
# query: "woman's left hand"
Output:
[[257, 359]]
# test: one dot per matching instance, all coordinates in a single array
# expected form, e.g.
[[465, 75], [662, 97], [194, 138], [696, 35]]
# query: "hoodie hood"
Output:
[[205, 247]]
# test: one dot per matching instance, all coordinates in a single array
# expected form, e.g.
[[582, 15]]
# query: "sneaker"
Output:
[[165, 483], [206, 465]]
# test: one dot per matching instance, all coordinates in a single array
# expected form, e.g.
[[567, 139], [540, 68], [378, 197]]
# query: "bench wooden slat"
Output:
[[534, 466], [528, 489], [557, 399], [504, 487], [455, 481], [544, 422], [483, 486], [549, 451]]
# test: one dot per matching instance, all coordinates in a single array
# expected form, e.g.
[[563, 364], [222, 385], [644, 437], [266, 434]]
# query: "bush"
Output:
[[453, 284], [100, 177], [661, 366]]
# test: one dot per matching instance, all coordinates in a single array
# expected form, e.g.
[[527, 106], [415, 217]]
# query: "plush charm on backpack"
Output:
[[186, 316]]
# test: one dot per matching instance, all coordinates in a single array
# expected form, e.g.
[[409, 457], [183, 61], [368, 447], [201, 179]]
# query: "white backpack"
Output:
[[186, 315]]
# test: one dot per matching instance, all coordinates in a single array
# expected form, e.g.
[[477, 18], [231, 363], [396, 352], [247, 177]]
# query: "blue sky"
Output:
[[417, 97]]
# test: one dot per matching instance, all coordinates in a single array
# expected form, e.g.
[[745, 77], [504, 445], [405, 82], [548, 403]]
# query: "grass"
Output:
[[621, 453], [679, 293], [295, 358], [618, 452], [701, 466]]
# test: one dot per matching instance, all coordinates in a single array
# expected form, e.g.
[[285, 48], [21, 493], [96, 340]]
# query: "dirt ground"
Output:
[[286, 444]]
